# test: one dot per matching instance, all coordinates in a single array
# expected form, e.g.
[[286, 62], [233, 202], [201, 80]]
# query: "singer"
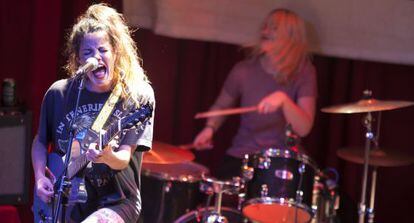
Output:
[[280, 79], [103, 58]]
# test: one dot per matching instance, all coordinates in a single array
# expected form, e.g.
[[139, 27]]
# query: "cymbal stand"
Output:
[[369, 135], [370, 210]]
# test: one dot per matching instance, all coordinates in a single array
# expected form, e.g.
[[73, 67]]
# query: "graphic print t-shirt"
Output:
[[58, 112]]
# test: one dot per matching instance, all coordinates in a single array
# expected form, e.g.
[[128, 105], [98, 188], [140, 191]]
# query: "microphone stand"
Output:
[[65, 184]]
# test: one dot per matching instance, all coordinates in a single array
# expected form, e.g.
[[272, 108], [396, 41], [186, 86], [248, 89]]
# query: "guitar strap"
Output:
[[105, 112], [107, 109]]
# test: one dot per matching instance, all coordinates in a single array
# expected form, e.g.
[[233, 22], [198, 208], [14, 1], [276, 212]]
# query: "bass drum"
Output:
[[170, 190], [281, 187], [196, 216]]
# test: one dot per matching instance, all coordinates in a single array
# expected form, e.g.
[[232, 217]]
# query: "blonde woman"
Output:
[[112, 181], [279, 79]]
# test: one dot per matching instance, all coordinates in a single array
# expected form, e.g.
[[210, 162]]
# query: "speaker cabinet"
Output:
[[15, 141]]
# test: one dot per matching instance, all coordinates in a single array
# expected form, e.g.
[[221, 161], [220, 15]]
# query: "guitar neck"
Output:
[[76, 165]]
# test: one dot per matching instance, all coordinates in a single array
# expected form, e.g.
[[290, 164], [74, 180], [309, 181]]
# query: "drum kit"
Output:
[[275, 185]]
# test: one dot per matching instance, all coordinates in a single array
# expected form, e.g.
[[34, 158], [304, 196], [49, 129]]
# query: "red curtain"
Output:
[[187, 76]]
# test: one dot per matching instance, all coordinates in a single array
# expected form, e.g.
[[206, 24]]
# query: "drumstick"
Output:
[[191, 146], [231, 111], [186, 146]]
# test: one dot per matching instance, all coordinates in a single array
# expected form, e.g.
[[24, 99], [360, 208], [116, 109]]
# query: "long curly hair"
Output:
[[128, 65], [289, 49]]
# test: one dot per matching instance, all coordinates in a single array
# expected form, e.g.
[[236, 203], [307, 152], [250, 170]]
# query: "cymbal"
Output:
[[367, 105], [163, 153], [377, 157]]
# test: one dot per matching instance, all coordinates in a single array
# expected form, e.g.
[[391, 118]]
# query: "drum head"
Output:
[[186, 171], [274, 212]]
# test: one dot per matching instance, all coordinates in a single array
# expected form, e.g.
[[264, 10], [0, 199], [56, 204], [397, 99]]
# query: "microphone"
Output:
[[90, 65]]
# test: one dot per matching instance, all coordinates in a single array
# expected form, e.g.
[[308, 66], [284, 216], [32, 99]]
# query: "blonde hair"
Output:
[[127, 66], [289, 50]]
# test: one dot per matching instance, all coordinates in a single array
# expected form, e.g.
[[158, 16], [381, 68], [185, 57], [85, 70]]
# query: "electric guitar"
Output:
[[44, 212]]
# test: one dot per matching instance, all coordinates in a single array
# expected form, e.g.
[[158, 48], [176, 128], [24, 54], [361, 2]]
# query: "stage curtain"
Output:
[[374, 30]]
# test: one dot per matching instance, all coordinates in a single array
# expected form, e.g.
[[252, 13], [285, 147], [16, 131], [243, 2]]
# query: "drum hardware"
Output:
[[242, 198], [195, 216], [325, 199], [264, 191], [246, 170], [299, 191], [218, 187], [167, 187], [264, 162], [367, 105]]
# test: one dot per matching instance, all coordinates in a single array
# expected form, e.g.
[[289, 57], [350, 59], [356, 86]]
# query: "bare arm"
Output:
[[43, 184], [39, 154], [300, 115]]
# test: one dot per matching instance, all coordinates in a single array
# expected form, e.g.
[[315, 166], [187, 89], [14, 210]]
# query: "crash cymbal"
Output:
[[367, 105], [377, 157], [163, 153]]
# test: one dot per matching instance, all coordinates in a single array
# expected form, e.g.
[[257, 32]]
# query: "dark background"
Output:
[[187, 76]]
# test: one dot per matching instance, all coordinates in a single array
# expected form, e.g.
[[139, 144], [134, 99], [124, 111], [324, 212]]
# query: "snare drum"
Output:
[[281, 187], [170, 190]]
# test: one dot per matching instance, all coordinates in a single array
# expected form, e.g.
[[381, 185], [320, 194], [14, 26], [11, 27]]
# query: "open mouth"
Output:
[[100, 72]]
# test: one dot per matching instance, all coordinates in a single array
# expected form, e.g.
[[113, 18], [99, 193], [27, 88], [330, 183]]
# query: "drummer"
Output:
[[279, 78]]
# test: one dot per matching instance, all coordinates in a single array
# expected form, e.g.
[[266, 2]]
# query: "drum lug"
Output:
[[264, 162], [299, 196], [247, 171], [167, 187], [265, 190]]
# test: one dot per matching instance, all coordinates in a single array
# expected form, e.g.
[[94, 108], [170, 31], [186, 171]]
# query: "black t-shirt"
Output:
[[104, 185]]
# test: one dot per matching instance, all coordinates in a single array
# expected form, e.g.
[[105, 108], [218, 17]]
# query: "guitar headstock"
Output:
[[137, 118]]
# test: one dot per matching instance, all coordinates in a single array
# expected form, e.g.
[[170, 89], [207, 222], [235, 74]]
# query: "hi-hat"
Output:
[[367, 105], [163, 153], [377, 157]]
